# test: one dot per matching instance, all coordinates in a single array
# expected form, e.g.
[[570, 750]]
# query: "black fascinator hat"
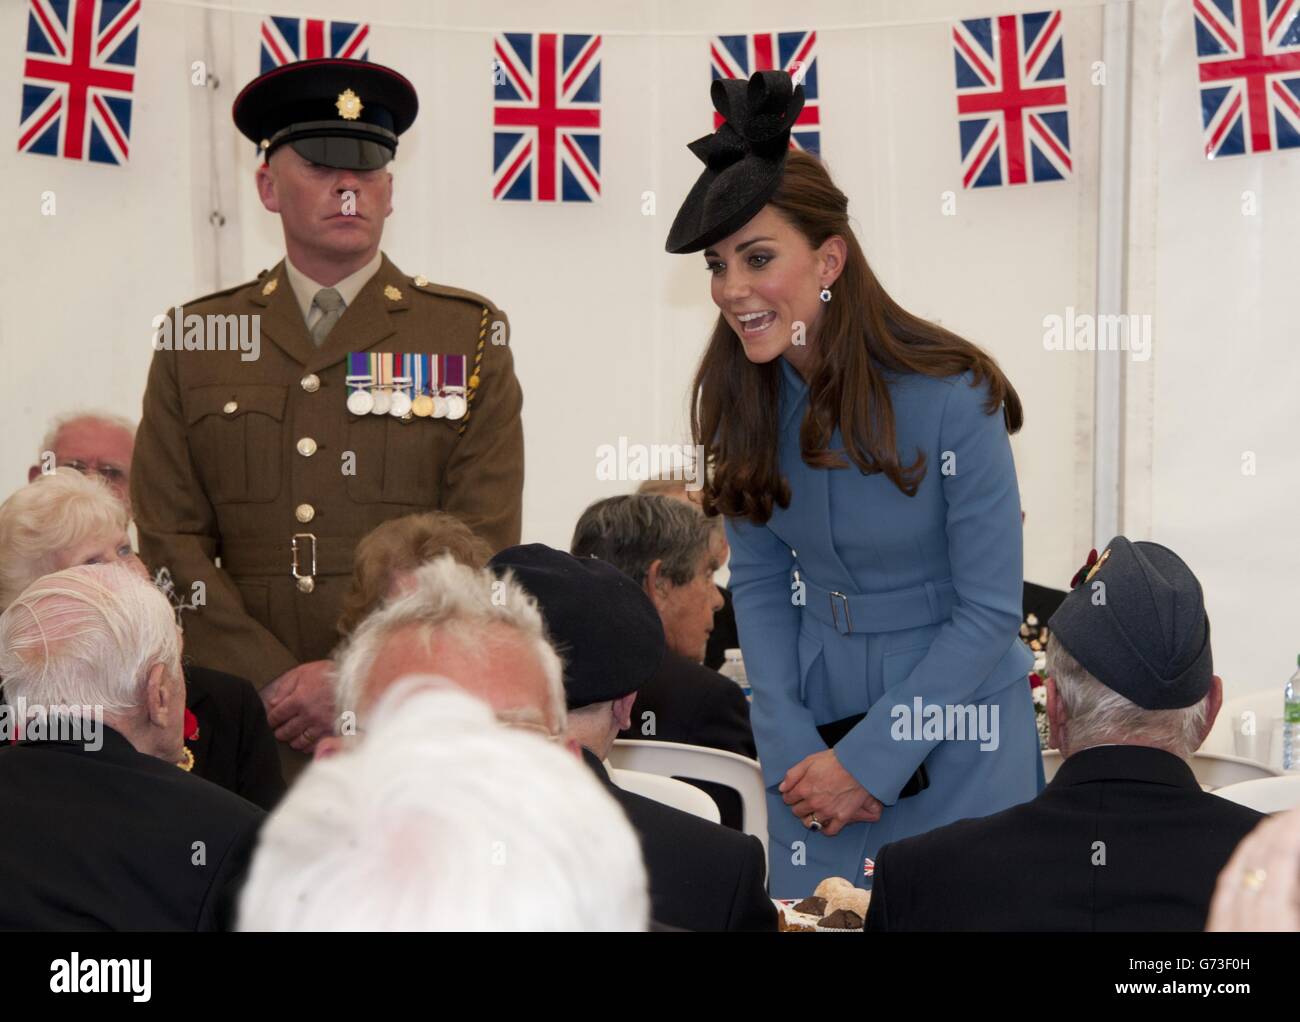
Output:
[[743, 160]]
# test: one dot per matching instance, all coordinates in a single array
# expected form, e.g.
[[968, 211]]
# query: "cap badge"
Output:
[[349, 105], [392, 293], [1097, 567]]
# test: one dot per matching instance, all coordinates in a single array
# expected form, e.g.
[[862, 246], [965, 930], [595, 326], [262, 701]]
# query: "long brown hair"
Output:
[[734, 403]]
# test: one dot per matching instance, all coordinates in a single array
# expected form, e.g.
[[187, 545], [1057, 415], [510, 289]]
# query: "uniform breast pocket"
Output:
[[235, 440], [397, 462]]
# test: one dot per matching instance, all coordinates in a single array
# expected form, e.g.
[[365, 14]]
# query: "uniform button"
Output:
[[306, 447], [306, 584], [304, 513], [311, 383], [230, 407]]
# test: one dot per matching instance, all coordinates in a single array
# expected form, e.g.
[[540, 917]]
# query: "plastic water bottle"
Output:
[[733, 667], [1291, 720]]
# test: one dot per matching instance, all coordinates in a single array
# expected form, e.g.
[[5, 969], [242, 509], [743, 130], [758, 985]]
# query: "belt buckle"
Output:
[[306, 583], [848, 620]]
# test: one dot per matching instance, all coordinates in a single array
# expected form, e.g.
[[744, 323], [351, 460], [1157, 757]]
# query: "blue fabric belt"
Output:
[[847, 613]]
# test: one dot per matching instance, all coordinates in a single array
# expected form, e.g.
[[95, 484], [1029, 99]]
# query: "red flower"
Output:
[[1079, 575], [191, 725], [1035, 680]]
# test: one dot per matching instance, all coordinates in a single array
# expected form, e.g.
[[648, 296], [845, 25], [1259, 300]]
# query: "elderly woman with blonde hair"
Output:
[[64, 519]]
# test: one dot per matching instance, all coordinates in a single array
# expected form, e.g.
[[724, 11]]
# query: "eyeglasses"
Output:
[[111, 474]]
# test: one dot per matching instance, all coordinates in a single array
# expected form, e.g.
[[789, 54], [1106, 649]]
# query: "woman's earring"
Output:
[[825, 296]]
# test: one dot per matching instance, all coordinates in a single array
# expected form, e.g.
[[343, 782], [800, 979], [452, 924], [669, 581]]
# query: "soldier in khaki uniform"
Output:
[[255, 476]]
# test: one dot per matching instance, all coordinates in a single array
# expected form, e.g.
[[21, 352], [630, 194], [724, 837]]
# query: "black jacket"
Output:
[[702, 876], [116, 840], [235, 747], [698, 706], [1123, 838]]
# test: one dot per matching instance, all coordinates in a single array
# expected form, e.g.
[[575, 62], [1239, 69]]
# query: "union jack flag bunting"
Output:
[[285, 40], [1011, 107], [546, 115], [79, 79], [739, 56], [1248, 59]]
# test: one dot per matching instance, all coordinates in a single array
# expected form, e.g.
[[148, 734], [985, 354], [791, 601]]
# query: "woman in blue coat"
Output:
[[861, 457]]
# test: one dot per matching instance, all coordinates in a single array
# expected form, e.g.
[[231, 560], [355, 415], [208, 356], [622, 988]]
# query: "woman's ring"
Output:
[[813, 823], [1253, 879]]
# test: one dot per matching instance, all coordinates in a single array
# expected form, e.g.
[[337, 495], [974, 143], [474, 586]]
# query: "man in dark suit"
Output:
[[668, 548], [231, 742], [702, 876], [102, 830], [1123, 838]]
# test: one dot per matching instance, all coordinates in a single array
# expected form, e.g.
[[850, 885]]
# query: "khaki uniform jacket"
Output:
[[234, 457]]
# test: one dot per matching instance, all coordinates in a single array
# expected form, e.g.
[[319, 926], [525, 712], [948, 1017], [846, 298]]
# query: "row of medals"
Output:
[[397, 402]]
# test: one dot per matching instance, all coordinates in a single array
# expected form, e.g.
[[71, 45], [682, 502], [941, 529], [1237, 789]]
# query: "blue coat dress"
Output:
[[858, 599]]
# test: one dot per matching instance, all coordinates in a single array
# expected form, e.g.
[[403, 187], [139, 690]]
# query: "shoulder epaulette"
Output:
[[227, 291], [424, 284]]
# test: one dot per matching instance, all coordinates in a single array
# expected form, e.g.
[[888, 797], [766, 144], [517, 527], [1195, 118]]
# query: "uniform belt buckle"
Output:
[[306, 583], [848, 620]]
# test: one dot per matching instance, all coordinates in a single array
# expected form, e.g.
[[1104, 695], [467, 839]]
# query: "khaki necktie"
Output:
[[330, 303]]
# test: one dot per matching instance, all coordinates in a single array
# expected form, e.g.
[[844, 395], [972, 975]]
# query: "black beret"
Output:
[[1144, 632], [337, 113], [602, 623], [743, 159]]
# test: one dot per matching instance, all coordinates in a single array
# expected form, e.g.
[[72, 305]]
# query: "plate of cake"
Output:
[[836, 906]]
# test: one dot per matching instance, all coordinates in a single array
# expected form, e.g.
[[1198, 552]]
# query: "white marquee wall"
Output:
[[607, 327]]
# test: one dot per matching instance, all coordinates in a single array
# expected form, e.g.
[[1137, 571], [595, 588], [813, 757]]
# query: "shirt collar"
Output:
[[304, 288]]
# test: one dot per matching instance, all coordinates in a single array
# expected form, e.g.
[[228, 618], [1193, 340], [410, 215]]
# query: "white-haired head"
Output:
[[1094, 714], [444, 819], [89, 417], [97, 443], [45, 524], [99, 636], [484, 633]]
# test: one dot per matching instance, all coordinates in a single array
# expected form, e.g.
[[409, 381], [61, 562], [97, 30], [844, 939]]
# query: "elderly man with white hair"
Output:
[[108, 833], [485, 635], [1123, 838], [62, 519], [442, 819], [92, 443]]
